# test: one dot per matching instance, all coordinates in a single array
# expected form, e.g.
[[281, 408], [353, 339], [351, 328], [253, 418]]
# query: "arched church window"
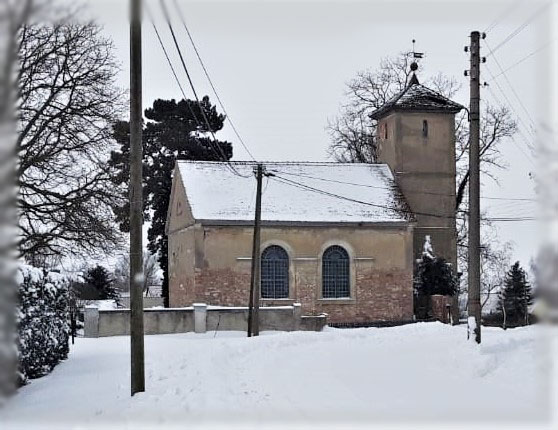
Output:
[[335, 273], [274, 273]]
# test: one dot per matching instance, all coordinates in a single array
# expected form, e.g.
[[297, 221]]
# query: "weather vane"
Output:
[[415, 53]]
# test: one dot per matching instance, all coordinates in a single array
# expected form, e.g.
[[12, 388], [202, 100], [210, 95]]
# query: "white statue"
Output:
[[427, 249]]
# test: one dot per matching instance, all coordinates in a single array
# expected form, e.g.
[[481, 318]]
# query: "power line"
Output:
[[521, 27], [202, 110], [229, 119], [536, 51], [527, 156], [196, 120], [170, 62], [519, 118], [501, 17], [340, 197], [301, 175], [510, 85]]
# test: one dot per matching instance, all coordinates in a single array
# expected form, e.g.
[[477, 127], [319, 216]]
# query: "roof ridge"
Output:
[[289, 163], [444, 103]]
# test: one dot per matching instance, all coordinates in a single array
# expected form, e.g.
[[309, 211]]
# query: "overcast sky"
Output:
[[281, 67]]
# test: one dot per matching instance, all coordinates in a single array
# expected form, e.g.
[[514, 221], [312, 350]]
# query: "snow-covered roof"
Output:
[[417, 97], [346, 193]]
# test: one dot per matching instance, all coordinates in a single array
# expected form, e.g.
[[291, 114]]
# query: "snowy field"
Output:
[[425, 372]]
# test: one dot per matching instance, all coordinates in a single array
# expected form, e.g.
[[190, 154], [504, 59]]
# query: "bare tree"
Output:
[[353, 139], [496, 125], [67, 104], [352, 132], [151, 272], [495, 261]]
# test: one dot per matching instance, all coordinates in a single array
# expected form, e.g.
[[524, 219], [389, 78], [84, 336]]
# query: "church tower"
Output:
[[416, 138]]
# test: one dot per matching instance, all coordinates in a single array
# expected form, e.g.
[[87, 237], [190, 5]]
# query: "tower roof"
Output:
[[418, 98]]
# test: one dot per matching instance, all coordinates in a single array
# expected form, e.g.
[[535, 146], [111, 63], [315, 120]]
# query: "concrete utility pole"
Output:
[[254, 301], [474, 329], [136, 204]]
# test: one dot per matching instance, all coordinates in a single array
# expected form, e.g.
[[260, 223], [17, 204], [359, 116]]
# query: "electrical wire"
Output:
[[208, 125], [536, 51], [511, 107], [229, 119], [301, 175], [502, 72], [521, 27], [501, 17], [337, 196], [170, 63], [527, 156]]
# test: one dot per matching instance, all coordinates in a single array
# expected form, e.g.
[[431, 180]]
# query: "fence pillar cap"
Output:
[[199, 305]]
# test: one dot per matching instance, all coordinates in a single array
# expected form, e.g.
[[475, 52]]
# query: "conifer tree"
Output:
[[517, 295], [99, 278], [173, 131], [434, 275]]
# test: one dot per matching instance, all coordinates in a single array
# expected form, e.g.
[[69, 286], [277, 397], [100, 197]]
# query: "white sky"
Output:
[[281, 67]]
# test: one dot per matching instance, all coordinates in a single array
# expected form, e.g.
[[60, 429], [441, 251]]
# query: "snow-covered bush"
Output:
[[42, 321], [433, 276]]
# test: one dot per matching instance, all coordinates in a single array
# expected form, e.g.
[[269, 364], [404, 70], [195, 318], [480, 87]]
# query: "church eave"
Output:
[[386, 110], [268, 223]]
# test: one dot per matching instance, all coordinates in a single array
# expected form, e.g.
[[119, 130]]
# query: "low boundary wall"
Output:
[[148, 302], [199, 318]]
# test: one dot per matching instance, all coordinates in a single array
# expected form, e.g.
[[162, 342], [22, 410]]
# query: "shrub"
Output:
[[42, 321]]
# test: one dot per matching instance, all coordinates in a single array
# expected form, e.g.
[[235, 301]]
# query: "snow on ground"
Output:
[[424, 371]]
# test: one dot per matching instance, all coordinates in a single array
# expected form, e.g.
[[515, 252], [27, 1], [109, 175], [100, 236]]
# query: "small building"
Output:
[[338, 238], [349, 260]]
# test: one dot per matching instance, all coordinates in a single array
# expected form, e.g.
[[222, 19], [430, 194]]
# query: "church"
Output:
[[338, 238]]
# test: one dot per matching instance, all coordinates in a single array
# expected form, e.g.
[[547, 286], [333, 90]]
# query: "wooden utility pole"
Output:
[[526, 310], [254, 300], [474, 193], [136, 204]]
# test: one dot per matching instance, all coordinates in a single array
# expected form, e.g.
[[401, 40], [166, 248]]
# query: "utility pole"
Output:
[[136, 204], [474, 320], [526, 310], [254, 301]]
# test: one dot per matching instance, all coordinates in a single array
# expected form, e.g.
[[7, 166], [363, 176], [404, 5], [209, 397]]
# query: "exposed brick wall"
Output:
[[379, 296], [381, 272], [439, 307], [224, 287]]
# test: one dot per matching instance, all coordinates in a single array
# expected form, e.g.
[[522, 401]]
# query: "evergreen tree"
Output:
[[517, 295], [434, 275], [98, 278], [173, 131]]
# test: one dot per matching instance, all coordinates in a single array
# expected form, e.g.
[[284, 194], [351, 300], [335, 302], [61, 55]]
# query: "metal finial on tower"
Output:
[[415, 53], [414, 65]]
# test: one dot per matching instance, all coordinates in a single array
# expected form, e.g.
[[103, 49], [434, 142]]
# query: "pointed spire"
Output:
[[414, 80]]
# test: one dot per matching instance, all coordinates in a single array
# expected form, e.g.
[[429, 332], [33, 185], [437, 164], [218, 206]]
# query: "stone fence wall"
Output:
[[148, 302], [199, 318]]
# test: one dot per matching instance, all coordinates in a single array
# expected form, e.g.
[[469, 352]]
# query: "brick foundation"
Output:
[[377, 295]]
